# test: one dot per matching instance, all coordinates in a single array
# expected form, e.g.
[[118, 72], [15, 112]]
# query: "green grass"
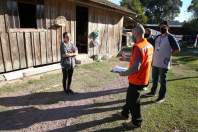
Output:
[[179, 112], [189, 57]]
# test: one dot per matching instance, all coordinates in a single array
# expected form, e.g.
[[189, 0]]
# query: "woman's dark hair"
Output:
[[65, 34]]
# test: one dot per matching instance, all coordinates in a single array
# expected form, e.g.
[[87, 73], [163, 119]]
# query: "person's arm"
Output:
[[174, 45], [135, 67], [73, 53], [70, 54]]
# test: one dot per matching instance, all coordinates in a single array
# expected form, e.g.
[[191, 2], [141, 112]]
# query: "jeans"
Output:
[[133, 104], [156, 74], [67, 78]]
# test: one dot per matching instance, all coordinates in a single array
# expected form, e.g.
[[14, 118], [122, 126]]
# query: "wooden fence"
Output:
[[23, 49]]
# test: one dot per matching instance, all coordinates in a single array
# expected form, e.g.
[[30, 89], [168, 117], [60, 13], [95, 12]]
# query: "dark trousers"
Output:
[[159, 73], [67, 78], [133, 104]]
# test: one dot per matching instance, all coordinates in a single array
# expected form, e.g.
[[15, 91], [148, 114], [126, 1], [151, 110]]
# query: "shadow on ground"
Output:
[[25, 117], [54, 97]]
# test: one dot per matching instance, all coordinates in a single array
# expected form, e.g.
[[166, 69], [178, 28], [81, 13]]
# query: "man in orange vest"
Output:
[[138, 76]]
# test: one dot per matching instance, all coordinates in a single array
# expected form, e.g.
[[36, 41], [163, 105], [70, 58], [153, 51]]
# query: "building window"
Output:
[[27, 15]]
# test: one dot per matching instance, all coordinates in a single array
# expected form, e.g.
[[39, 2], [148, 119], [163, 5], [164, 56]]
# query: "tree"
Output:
[[137, 7], [194, 8], [192, 25], [158, 10]]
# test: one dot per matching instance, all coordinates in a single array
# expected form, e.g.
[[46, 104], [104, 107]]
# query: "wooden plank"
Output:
[[7, 21], [29, 49], [96, 52], [49, 46], [2, 68], [14, 51], [15, 14], [12, 16], [6, 51], [63, 13], [37, 49], [21, 45], [38, 19], [59, 40], [121, 28], [47, 13], [114, 36], [90, 30], [52, 12], [2, 19], [33, 48], [106, 34], [102, 32], [72, 25], [110, 36], [43, 48], [54, 47], [68, 17]]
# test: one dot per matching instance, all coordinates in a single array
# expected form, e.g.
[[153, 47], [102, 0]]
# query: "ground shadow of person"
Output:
[[25, 117], [54, 97]]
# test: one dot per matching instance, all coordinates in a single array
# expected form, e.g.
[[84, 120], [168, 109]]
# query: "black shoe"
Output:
[[120, 116], [71, 91], [160, 100], [66, 92], [130, 125]]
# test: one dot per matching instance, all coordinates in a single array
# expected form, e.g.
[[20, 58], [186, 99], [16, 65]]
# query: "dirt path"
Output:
[[54, 111]]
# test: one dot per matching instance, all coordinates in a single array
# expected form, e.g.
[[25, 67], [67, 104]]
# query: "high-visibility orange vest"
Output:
[[142, 76]]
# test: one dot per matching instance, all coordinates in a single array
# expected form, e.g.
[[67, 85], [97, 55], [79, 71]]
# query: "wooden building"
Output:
[[31, 30]]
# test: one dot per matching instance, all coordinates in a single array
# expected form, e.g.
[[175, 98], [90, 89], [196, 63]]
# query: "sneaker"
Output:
[[120, 116], [130, 125], [160, 100]]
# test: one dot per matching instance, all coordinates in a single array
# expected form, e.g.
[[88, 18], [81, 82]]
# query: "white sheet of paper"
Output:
[[119, 69]]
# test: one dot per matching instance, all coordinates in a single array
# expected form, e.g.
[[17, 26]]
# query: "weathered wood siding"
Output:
[[2, 16], [23, 48], [109, 25], [55, 8]]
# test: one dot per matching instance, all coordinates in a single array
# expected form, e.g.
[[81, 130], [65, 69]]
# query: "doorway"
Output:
[[82, 29]]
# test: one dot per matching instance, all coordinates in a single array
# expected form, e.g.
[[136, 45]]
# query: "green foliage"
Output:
[[158, 10], [136, 6], [191, 27], [194, 8]]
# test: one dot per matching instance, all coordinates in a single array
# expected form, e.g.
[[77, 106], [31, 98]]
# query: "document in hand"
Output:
[[119, 69]]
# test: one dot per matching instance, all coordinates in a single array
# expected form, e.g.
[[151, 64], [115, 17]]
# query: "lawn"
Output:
[[38, 104]]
